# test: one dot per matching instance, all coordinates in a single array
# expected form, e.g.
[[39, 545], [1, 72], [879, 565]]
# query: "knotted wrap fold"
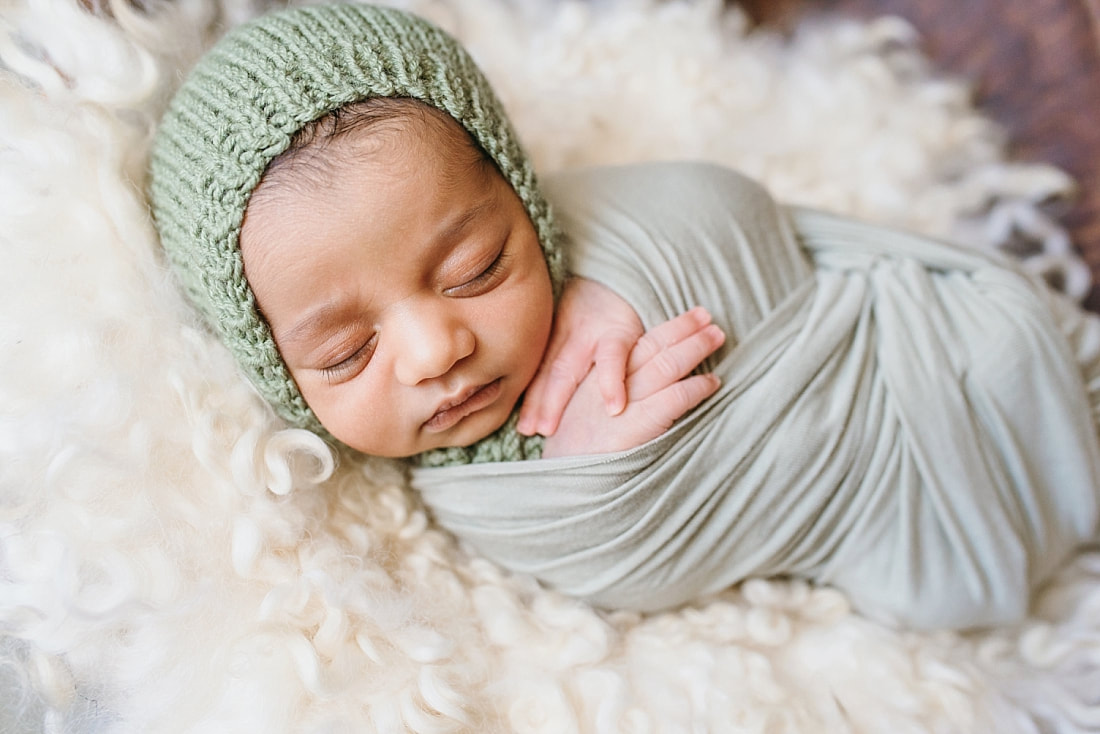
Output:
[[909, 421]]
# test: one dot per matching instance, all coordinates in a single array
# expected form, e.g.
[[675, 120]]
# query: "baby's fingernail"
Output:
[[614, 406], [524, 426]]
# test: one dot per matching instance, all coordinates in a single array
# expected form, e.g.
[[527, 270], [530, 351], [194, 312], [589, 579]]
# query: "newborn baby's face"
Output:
[[405, 287]]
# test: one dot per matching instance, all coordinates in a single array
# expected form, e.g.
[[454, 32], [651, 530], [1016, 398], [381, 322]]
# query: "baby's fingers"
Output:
[[674, 362], [659, 411], [612, 355], [663, 336], [550, 391]]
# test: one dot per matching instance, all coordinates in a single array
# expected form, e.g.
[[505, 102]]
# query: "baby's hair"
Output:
[[306, 161]]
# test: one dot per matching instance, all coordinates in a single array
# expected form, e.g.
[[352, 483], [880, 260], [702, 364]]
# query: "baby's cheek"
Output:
[[353, 413], [532, 334]]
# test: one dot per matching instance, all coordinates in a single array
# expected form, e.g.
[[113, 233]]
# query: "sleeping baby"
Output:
[[639, 384]]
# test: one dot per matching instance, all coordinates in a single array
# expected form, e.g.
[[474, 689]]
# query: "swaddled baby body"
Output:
[[906, 420]]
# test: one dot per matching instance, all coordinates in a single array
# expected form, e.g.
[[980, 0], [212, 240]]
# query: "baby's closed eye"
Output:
[[347, 363], [484, 275]]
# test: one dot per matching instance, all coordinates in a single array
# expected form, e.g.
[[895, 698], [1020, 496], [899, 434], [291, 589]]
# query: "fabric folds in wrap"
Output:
[[909, 421]]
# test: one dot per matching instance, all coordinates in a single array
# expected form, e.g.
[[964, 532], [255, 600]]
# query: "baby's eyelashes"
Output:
[[352, 364], [484, 280]]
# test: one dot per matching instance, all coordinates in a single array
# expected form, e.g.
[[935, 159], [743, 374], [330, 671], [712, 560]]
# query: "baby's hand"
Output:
[[592, 326], [658, 387]]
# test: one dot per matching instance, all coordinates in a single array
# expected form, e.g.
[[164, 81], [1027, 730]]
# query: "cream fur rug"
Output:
[[172, 561]]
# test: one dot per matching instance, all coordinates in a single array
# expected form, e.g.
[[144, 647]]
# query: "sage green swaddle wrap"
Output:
[[911, 422]]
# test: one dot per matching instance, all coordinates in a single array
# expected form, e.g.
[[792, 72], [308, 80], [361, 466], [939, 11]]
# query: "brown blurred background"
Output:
[[1035, 69]]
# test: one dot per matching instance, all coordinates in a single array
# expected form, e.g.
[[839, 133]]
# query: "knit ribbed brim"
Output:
[[240, 107]]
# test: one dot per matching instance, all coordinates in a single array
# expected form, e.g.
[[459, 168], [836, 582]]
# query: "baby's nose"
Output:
[[430, 342]]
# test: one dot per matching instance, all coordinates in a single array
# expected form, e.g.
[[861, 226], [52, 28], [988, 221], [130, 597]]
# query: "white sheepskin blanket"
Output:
[[172, 560]]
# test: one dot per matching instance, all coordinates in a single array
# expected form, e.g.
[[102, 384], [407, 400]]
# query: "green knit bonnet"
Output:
[[239, 109]]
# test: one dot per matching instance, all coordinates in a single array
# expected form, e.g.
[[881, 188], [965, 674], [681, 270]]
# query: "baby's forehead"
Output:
[[379, 132], [356, 158]]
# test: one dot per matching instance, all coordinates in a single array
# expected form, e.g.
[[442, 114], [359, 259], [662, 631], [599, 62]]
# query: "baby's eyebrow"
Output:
[[320, 320], [451, 230]]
